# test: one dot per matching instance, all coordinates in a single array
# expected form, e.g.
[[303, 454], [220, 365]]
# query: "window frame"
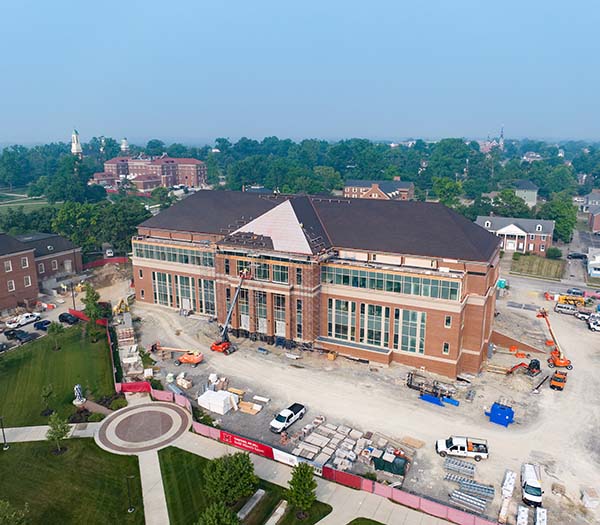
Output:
[[11, 285], [24, 263]]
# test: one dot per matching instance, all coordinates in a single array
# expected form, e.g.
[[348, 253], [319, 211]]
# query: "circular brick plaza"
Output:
[[144, 427]]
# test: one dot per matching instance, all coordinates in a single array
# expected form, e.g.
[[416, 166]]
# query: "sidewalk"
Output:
[[153, 491], [24, 434], [347, 503]]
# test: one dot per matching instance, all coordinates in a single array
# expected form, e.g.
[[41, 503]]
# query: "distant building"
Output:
[[520, 235], [76, 144], [18, 278], [532, 156], [593, 262], [526, 190], [594, 218], [379, 189], [591, 199], [147, 173]]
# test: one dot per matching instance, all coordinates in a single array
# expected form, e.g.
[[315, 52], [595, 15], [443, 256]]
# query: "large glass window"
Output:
[[374, 324], [280, 273], [409, 330], [262, 272], [244, 307], [161, 286], [186, 292], [279, 314], [206, 296], [405, 284], [299, 318], [341, 319], [260, 308], [242, 265], [173, 254]]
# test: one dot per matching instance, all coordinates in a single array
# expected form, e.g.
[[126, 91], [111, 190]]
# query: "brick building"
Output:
[[520, 235], [594, 218], [148, 173], [55, 256], [379, 189], [386, 281], [18, 278]]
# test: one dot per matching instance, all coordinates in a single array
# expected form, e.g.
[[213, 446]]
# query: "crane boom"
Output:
[[224, 332], [544, 314]]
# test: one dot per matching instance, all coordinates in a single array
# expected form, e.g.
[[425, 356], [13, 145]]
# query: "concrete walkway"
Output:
[[25, 434], [153, 491], [347, 503]]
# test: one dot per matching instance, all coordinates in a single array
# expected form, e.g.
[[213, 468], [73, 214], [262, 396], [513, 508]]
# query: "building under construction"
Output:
[[409, 282]]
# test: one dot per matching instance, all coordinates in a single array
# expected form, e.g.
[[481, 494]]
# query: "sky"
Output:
[[192, 71]]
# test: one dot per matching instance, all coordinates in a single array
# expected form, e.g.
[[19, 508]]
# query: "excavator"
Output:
[[223, 344], [532, 369], [557, 359]]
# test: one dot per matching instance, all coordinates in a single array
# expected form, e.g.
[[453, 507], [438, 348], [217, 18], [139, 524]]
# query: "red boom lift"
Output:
[[223, 344], [557, 358]]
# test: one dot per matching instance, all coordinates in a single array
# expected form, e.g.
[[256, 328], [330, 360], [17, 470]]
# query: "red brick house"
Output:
[[386, 281], [520, 235], [594, 218], [18, 278]]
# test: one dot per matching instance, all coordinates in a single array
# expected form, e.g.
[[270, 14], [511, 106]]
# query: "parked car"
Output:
[[594, 324], [576, 292], [584, 315], [22, 320], [462, 447], [23, 337], [568, 309], [531, 484], [68, 318], [576, 255], [42, 325], [11, 334], [287, 417], [3, 347]]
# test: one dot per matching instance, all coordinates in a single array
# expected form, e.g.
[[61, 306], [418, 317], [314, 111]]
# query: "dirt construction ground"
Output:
[[559, 430]]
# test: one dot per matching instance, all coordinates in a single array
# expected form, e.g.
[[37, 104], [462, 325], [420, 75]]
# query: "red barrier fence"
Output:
[[102, 262], [82, 317], [246, 444]]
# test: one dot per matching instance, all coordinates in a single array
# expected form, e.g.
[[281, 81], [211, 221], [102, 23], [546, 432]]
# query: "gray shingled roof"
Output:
[[524, 185], [405, 227], [527, 225], [9, 244], [46, 243]]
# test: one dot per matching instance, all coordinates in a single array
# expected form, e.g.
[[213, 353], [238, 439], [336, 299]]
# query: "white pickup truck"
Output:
[[463, 447], [22, 320], [286, 417]]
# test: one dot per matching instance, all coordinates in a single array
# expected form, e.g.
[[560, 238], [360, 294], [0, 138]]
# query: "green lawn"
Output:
[[538, 267], [83, 485], [183, 481], [25, 370], [364, 521]]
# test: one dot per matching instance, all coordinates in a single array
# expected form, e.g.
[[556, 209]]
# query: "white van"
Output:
[[531, 484], [568, 309]]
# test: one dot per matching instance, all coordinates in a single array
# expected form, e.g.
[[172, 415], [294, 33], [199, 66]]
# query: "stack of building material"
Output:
[[522, 515], [590, 497], [540, 516], [468, 502], [182, 382], [249, 408], [462, 467], [219, 402], [508, 487]]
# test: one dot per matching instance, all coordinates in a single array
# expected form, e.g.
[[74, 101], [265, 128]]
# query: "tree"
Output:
[[230, 478], [162, 196], [54, 331], [302, 489], [47, 394], [59, 430], [507, 204], [155, 147], [92, 308], [553, 253], [447, 190], [218, 514], [9, 515], [564, 214]]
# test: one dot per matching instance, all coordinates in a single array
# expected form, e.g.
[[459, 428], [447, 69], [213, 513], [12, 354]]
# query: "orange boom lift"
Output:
[[557, 358]]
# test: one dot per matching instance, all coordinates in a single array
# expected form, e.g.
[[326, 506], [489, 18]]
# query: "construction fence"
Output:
[[347, 479]]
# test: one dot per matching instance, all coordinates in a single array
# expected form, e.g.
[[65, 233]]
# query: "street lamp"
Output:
[[131, 508], [5, 445]]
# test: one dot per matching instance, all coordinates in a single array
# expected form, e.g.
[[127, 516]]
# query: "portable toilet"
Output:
[[501, 283], [501, 414]]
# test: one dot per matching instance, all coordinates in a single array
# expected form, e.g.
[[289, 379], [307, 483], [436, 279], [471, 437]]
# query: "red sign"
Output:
[[246, 444]]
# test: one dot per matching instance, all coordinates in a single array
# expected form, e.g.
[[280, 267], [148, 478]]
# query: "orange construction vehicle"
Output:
[[188, 357], [557, 358], [558, 380], [223, 344]]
